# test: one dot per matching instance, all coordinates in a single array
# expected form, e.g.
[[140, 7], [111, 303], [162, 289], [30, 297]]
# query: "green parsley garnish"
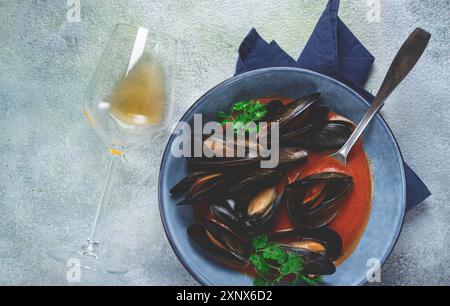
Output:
[[273, 265], [243, 113]]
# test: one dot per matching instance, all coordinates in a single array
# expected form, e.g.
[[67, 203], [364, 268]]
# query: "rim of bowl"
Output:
[[178, 253]]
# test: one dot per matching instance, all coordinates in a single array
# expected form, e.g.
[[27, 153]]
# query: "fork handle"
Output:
[[403, 63]]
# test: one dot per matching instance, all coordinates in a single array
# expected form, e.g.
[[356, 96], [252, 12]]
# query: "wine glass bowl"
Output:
[[130, 96]]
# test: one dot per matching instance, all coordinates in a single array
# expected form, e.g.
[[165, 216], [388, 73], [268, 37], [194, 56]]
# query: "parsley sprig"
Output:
[[241, 114], [273, 264]]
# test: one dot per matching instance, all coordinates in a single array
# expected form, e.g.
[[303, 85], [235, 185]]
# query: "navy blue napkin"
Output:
[[332, 50]]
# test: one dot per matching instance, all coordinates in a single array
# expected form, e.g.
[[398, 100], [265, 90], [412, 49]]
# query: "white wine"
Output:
[[138, 98]]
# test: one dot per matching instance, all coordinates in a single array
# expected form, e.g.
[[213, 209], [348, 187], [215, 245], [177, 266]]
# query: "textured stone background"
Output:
[[53, 166]]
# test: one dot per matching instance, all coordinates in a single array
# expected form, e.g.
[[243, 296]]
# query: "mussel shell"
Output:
[[206, 187], [328, 238], [256, 222], [315, 264], [185, 184], [234, 212], [317, 118], [232, 207], [216, 147], [286, 156], [296, 109], [322, 209], [338, 182], [317, 219], [332, 135], [254, 179], [290, 155], [224, 163], [273, 108], [234, 250], [231, 212]]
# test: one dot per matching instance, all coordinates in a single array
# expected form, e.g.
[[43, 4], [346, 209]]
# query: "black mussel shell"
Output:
[[290, 155], [297, 110], [287, 156], [220, 242], [244, 154], [224, 163], [185, 184], [259, 178], [248, 213], [273, 108], [239, 147], [315, 264], [316, 119], [333, 135], [318, 247], [206, 187], [231, 212], [218, 151], [314, 201], [256, 218], [323, 241]]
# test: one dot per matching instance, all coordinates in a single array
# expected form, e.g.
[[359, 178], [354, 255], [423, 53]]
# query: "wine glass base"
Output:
[[87, 258]]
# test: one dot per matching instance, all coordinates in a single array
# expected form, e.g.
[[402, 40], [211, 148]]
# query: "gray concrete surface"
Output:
[[53, 165]]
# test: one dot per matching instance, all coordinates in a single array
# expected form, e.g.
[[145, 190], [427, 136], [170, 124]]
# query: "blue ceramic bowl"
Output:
[[389, 189]]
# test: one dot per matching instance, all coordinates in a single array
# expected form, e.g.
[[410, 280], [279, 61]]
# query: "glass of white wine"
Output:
[[129, 101]]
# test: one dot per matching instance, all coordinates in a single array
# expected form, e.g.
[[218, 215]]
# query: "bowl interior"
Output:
[[389, 191]]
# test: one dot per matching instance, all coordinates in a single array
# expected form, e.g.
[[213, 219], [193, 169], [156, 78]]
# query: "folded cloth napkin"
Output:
[[332, 50]]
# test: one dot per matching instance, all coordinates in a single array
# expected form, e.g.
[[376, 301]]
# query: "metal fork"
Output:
[[403, 63]]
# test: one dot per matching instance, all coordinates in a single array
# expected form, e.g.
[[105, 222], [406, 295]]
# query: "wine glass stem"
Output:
[[102, 206]]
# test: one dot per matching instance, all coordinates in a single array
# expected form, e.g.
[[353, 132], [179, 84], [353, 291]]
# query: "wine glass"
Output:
[[129, 101]]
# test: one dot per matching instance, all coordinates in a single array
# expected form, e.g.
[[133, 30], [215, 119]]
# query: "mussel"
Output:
[[296, 113], [250, 202], [221, 242], [314, 201], [318, 247], [273, 108], [199, 186], [218, 147], [261, 207], [323, 241], [316, 264], [231, 212], [185, 184], [304, 123], [204, 185], [259, 178], [248, 213], [300, 117], [321, 137], [287, 155]]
